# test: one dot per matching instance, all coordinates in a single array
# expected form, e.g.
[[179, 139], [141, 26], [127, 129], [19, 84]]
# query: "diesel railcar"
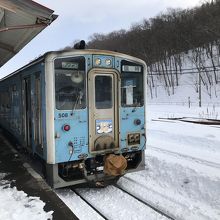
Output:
[[81, 112]]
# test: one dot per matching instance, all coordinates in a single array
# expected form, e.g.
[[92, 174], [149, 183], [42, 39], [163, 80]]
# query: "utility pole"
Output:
[[200, 91]]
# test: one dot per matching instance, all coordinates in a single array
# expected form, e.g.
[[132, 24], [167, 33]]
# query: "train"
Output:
[[81, 112]]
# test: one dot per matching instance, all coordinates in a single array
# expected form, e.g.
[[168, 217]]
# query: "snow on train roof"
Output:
[[20, 22]]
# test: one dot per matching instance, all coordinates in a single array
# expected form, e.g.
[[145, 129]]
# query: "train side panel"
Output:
[[10, 106], [22, 108]]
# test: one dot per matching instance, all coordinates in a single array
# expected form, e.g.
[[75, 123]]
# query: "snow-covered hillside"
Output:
[[186, 78]]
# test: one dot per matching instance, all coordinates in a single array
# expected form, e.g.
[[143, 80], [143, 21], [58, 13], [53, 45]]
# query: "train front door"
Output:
[[103, 110]]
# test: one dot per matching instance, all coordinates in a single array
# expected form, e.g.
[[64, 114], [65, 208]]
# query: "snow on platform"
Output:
[[21, 195]]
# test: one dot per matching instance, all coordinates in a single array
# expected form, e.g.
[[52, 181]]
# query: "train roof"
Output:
[[20, 22], [67, 52], [93, 51]]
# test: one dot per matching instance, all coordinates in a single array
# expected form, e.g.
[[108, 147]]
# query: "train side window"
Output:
[[70, 83]]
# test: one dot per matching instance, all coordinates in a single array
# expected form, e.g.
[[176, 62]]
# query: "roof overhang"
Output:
[[20, 22]]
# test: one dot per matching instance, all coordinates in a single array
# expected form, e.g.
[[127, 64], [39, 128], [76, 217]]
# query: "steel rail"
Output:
[[88, 203], [156, 209]]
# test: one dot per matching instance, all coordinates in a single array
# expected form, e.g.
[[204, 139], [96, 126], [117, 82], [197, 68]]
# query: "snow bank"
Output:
[[17, 205]]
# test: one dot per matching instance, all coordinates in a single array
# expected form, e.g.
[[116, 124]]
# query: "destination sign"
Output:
[[70, 65], [127, 68]]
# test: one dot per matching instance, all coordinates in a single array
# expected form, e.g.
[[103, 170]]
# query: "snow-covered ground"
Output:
[[182, 176], [17, 205], [182, 165]]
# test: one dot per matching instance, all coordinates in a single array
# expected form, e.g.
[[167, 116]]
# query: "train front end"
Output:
[[95, 116]]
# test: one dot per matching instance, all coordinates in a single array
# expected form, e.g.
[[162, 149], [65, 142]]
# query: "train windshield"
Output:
[[70, 83], [132, 89]]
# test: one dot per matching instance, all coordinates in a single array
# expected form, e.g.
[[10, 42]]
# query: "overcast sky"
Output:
[[80, 19]]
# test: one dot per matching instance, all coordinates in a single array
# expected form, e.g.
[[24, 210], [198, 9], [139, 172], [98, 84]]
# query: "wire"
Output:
[[75, 104], [206, 67], [65, 167]]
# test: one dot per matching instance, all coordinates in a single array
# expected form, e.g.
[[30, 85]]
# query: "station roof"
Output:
[[20, 22]]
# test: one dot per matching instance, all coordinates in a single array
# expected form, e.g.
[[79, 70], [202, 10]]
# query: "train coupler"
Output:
[[115, 165]]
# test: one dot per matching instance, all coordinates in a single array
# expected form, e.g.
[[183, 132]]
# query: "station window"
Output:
[[70, 83]]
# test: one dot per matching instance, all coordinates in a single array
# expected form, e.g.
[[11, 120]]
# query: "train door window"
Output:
[[70, 83], [8, 99], [13, 94], [103, 92], [38, 114], [27, 110]]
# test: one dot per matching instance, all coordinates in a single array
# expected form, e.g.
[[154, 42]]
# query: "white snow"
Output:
[[198, 80], [183, 164], [16, 205], [110, 201], [182, 174], [77, 205]]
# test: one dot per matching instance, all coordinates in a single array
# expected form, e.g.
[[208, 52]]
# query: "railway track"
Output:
[[156, 209], [89, 204], [215, 124], [201, 121], [162, 197], [187, 157], [101, 213]]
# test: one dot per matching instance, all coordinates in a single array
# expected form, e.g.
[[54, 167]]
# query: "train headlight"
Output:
[[134, 139], [108, 62], [98, 62]]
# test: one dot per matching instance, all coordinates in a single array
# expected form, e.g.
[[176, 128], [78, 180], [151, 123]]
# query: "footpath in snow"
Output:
[[24, 195]]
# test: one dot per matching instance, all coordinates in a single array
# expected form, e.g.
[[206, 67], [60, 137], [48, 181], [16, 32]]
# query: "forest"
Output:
[[167, 40]]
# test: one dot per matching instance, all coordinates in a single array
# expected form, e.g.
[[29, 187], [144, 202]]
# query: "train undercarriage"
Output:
[[99, 171]]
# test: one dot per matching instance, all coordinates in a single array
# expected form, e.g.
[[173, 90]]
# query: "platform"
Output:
[[32, 184]]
